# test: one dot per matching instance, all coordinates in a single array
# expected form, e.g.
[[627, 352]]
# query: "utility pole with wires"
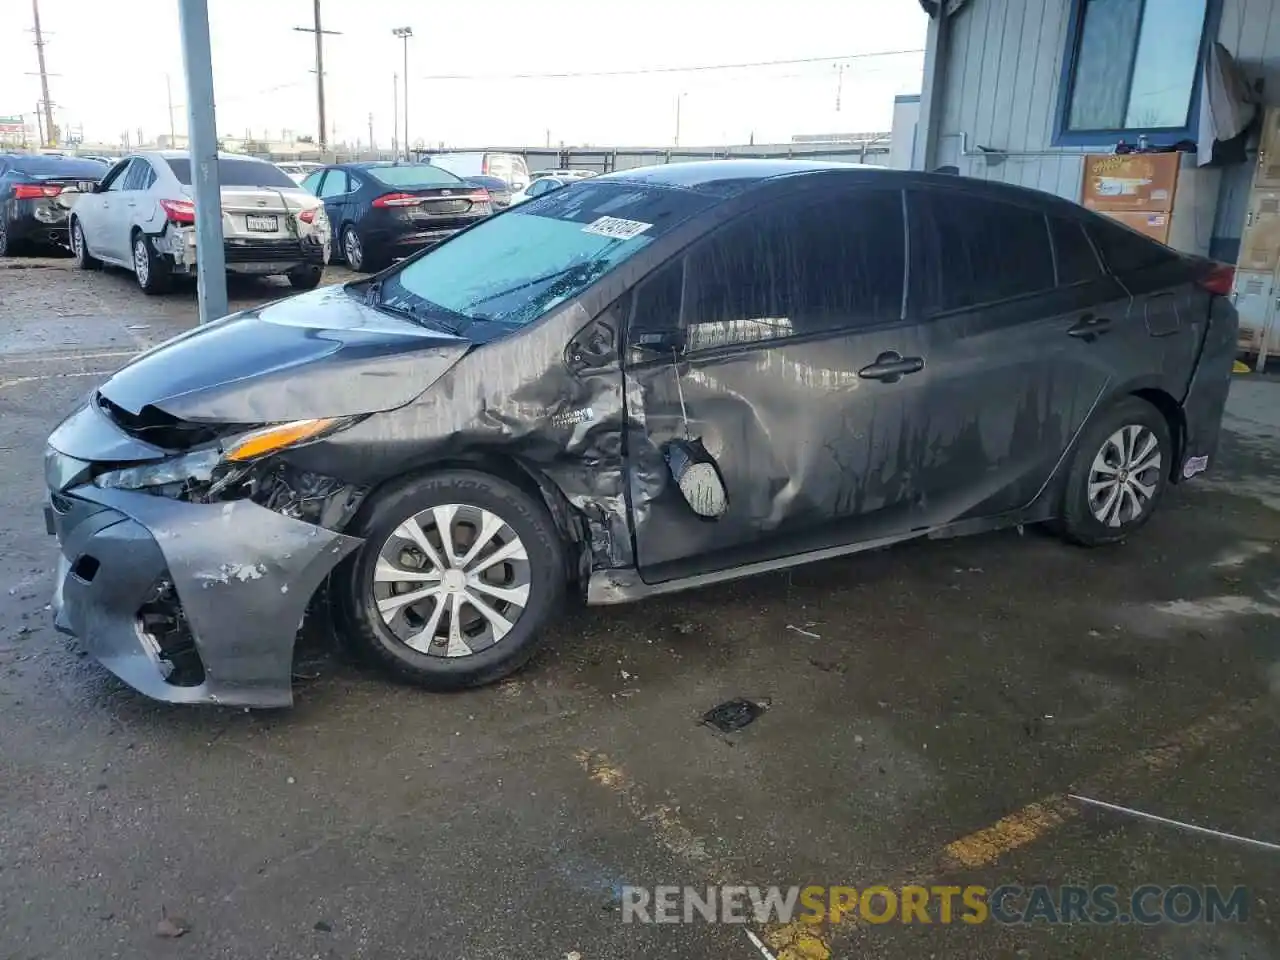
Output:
[[319, 32], [839, 84], [48, 137], [372, 146]]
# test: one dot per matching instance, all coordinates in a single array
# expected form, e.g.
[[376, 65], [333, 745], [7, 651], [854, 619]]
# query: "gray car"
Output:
[[649, 381]]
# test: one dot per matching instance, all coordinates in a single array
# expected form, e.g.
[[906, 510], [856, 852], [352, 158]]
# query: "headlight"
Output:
[[200, 465], [192, 466]]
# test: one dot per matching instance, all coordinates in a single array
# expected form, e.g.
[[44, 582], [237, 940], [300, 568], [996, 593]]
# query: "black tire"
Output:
[[306, 277], [80, 250], [363, 627], [9, 247], [151, 269], [1078, 522]]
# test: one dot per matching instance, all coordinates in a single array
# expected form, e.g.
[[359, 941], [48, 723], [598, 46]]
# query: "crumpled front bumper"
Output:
[[242, 577]]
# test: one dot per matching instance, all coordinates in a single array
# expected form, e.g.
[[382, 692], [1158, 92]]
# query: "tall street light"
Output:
[[404, 33]]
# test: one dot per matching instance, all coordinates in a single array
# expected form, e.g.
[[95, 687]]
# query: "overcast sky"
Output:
[[113, 59]]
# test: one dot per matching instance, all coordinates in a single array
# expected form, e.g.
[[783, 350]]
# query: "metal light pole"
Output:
[[679, 99], [202, 138], [404, 33], [395, 116]]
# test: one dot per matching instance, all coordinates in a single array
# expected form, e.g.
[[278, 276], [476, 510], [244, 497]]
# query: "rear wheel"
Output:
[[458, 575], [352, 249], [151, 269], [1119, 474], [9, 247], [306, 277], [84, 259]]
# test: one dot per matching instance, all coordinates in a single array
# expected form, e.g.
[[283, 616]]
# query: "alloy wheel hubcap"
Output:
[[1124, 475], [140, 264], [352, 249], [452, 580], [77, 240]]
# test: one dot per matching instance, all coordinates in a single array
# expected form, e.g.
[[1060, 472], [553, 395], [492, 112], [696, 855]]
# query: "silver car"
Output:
[[141, 217]]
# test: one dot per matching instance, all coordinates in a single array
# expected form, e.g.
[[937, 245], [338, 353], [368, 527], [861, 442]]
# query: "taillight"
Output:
[[397, 200], [480, 196], [308, 216], [1219, 279], [35, 191], [179, 211]]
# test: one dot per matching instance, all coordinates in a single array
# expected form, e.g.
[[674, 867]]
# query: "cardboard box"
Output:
[[1154, 224], [1134, 182]]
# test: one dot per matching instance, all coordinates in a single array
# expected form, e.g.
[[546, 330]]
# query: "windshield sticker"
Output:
[[617, 227]]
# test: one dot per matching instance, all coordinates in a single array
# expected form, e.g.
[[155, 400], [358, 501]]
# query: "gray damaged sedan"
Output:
[[640, 383]]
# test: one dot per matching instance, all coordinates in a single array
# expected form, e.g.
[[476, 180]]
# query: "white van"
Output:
[[482, 163]]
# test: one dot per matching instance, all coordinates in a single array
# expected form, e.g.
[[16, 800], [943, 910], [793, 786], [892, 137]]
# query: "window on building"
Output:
[[1134, 64], [968, 250]]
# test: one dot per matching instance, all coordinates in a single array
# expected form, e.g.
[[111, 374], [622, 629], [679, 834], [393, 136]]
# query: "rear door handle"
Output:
[[891, 366], [1088, 327]]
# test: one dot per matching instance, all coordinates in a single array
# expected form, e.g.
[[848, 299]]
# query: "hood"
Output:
[[319, 354]]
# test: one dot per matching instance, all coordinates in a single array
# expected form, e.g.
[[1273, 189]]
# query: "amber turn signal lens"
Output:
[[270, 439]]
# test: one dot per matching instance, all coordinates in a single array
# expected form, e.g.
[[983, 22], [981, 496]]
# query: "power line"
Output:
[[649, 70]]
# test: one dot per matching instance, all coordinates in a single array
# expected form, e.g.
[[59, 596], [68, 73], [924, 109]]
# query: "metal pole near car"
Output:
[[404, 33], [202, 140]]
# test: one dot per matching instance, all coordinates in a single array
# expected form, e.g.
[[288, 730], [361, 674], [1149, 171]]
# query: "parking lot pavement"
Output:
[[930, 709]]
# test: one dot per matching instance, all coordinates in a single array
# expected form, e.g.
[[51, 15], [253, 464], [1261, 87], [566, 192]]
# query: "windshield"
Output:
[[414, 175], [514, 268], [234, 172]]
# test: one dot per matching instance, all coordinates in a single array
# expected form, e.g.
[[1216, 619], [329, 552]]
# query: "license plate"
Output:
[[262, 224], [437, 207]]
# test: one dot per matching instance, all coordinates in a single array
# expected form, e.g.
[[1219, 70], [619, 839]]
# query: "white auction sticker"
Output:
[[617, 227]]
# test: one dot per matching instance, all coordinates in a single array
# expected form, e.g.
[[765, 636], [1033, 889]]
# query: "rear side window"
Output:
[[335, 184], [968, 250], [140, 175], [788, 270], [1077, 263], [1126, 251], [235, 172]]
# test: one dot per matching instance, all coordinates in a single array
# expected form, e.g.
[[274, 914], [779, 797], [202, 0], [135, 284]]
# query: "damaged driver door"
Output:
[[773, 388]]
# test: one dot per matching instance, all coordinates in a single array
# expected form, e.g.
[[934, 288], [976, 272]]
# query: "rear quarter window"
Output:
[[1126, 251], [1077, 262]]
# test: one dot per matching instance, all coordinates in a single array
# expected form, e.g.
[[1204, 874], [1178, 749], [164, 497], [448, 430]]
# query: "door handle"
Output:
[[1088, 327], [891, 366]]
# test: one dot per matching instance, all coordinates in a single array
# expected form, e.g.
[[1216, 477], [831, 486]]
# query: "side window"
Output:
[[968, 250], [1125, 251], [120, 181], [788, 270], [311, 183], [1077, 263], [335, 184], [136, 178]]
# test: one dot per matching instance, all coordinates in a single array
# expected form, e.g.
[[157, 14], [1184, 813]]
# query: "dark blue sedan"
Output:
[[380, 212]]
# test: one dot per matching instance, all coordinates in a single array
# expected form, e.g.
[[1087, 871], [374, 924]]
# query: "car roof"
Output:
[[186, 155], [730, 177]]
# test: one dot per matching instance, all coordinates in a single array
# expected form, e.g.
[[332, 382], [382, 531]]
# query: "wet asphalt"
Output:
[[917, 697]]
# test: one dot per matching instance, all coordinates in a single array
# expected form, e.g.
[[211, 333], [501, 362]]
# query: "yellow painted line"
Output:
[[1035, 820], [1240, 367], [792, 941], [663, 818]]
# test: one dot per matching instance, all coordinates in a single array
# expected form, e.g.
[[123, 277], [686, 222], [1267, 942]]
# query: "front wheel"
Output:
[[84, 259], [459, 573], [1119, 474]]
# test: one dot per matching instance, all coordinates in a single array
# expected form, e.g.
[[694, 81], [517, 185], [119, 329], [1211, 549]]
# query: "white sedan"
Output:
[[141, 217]]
